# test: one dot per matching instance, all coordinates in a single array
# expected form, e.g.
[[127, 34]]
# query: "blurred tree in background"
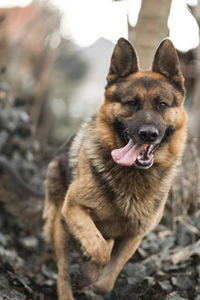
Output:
[[195, 124], [150, 29], [27, 54], [40, 66]]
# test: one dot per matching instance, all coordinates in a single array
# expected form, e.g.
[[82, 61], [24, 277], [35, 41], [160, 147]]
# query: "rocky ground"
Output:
[[166, 265]]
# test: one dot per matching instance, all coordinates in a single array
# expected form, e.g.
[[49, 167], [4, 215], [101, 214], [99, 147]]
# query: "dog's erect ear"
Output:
[[123, 61], [166, 62]]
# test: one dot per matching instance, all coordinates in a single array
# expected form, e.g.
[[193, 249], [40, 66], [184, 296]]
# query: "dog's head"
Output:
[[142, 112]]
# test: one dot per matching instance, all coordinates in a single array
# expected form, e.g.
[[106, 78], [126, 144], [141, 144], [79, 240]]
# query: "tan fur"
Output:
[[106, 206]]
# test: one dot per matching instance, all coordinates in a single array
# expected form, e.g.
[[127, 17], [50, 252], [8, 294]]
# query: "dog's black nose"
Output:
[[148, 133]]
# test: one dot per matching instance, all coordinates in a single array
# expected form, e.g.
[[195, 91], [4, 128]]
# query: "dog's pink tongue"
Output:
[[126, 156]]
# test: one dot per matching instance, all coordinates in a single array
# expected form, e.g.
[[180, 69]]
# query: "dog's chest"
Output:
[[129, 199], [136, 224], [128, 214]]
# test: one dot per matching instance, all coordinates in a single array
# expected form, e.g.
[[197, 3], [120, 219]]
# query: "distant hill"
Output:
[[89, 93]]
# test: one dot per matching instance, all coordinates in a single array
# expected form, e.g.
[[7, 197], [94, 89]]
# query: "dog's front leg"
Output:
[[122, 251], [60, 241], [83, 229]]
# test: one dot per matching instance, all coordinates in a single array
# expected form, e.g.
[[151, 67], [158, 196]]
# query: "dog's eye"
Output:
[[162, 106], [134, 103]]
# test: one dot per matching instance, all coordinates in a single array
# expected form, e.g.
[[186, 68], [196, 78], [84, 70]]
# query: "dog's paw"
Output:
[[102, 286], [97, 250]]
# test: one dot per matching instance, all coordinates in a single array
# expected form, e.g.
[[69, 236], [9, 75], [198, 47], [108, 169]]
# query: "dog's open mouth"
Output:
[[140, 155]]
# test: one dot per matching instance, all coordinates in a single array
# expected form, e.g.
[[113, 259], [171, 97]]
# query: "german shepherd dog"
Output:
[[108, 185]]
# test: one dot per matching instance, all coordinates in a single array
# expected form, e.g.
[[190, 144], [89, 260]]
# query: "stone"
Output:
[[135, 272], [165, 285], [153, 264], [174, 296], [183, 282], [30, 242]]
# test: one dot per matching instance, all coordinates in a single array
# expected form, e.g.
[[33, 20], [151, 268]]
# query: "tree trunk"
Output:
[[150, 29], [194, 119]]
